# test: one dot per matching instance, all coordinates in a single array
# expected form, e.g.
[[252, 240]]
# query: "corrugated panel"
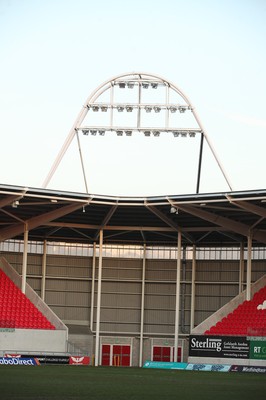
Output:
[[121, 273], [121, 287], [160, 302], [160, 288], [120, 300], [159, 317], [67, 285], [120, 315], [35, 283]]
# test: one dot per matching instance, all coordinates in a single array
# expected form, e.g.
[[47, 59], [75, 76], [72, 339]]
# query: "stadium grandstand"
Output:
[[123, 280]]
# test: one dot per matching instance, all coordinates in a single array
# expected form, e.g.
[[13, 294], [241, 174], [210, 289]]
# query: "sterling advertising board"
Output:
[[219, 346]]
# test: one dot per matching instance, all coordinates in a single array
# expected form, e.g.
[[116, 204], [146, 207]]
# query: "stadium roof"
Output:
[[205, 220]]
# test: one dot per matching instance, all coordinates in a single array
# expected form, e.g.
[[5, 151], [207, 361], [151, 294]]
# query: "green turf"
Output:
[[76, 382]]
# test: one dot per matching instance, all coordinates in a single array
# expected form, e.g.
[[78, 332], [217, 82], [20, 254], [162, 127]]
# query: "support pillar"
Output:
[[98, 312], [178, 270], [93, 285], [248, 286], [44, 257], [193, 278], [142, 306], [24, 261]]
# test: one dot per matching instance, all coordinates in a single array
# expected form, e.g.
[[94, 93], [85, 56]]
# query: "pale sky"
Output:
[[54, 53]]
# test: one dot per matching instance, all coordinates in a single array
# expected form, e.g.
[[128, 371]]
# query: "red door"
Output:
[[106, 348], [121, 356], [161, 353], [165, 353]]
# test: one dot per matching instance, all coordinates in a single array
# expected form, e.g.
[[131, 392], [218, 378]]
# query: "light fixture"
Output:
[[183, 134], [122, 85], [120, 108], [154, 85], [182, 109], [130, 85], [156, 133], [173, 210], [85, 131], [101, 132], [93, 132], [83, 209], [147, 133], [148, 109], [128, 133], [192, 134], [157, 109], [145, 85], [119, 133], [95, 108], [15, 204], [173, 109], [104, 108], [129, 108], [175, 133]]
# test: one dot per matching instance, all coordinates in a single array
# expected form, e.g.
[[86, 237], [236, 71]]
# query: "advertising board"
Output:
[[257, 350], [208, 367], [19, 361], [219, 346]]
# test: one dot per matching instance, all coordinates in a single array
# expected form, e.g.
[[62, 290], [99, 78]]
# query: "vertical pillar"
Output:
[[93, 285], [248, 286], [178, 269], [193, 278], [142, 306], [98, 312], [44, 256], [24, 261], [241, 268]]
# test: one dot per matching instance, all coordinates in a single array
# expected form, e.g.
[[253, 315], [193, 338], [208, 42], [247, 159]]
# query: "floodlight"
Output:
[[182, 109], [93, 132], [129, 108], [85, 131], [122, 85], [183, 134], [147, 133], [101, 132], [95, 108], [120, 108], [119, 133], [175, 133], [130, 85], [173, 109], [104, 108], [154, 85], [156, 133], [128, 133], [173, 210], [145, 85], [157, 109], [192, 134], [148, 109]]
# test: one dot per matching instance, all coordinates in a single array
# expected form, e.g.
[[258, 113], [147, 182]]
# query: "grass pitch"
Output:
[[110, 383]]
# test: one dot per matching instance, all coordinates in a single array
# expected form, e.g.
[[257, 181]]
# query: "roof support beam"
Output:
[[35, 222], [227, 223]]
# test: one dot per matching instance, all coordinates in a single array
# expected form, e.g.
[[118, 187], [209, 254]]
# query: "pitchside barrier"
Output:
[[204, 367], [50, 359]]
